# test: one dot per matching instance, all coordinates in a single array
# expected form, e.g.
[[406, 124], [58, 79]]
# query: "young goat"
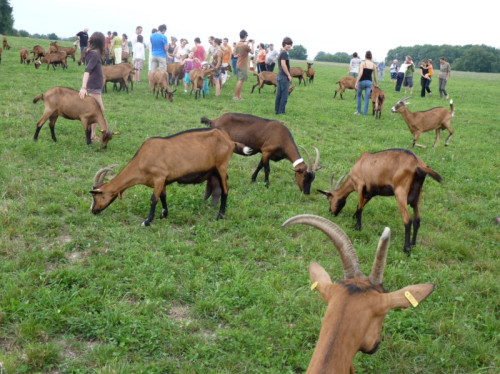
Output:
[[420, 122], [159, 83], [269, 78], [357, 305], [272, 139], [397, 172], [70, 51], [310, 72], [116, 73], [53, 59], [298, 73], [38, 52], [377, 97], [197, 76], [24, 56], [66, 102], [190, 157], [6, 44], [345, 83]]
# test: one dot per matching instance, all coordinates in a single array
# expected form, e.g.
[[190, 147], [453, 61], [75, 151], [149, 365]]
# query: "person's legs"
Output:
[[98, 98], [359, 92], [368, 90]]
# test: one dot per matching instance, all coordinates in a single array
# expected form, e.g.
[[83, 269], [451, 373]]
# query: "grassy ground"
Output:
[[100, 294]]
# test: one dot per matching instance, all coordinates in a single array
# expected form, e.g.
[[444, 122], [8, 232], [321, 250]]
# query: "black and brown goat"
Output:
[[272, 139], [70, 51], [24, 56], [345, 83], [38, 52], [55, 58], [393, 172], [433, 119], [310, 72], [66, 102], [190, 157], [357, 305], [117, 74], [269, 78], [377, 96]]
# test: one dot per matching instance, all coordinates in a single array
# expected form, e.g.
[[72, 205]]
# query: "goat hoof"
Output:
[[407, 251], [220, 216], [146, 223]]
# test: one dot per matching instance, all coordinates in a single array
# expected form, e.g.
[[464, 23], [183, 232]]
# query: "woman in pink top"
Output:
[[199, 52]]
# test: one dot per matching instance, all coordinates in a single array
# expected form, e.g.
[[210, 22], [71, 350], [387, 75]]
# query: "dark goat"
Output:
[[271, 138], [393, 172], [190, 157], [38, 51], [66, 102], [357, 305]]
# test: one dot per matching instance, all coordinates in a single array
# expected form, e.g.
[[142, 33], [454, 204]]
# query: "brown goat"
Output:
[[357, 305], [272, 139], [176, 72], [38, 52], [393, 172], [66, 102], [6, 44], [53, 59], [197, 76], [269, 78], [298, 73], [190, 157], [70, 51], [432, 119], [116, 73], [24, 56], [159, 83], [377, 97], [310, 72], [345, 83]]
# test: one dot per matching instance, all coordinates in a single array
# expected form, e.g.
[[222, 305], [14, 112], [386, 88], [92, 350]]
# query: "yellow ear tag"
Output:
[[314, 285], [411, 299]]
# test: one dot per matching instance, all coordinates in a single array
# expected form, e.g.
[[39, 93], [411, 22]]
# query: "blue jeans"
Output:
[[281, 94], [367, 87], [234, 61]]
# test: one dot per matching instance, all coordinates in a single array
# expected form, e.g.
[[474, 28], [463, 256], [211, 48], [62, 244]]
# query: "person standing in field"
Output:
[[83, 38], [159, 46], [444, 75], [243, 50], [138, 31], [139, 57], [366, 78], [354, 65], [116, 48], [227, 52], [93, 80], [261, 58], [199, 53], [402, 72], [234, 60], [284, 78], [408, 82], [217, 65], [271, 57], [424, 78], [394, 71]]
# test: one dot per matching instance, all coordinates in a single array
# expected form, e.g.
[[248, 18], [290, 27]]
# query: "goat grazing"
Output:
[[159, 83], [116, 73], [357, 305], [310, 72], [6, 44], [190, 157], [269, 78], [38, 52], [432, 119], [272, 139], [70, 51], [66, 102], [377, 97], [53, 59], [397, 172], [298, 73], [24, 56], [345, 83], [197, 76]]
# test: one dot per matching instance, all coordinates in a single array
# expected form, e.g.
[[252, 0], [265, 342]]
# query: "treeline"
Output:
[[26, 34], [477, 58]]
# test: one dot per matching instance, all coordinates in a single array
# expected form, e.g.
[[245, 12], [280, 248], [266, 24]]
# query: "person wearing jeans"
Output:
[[367, 76], [284, 78]]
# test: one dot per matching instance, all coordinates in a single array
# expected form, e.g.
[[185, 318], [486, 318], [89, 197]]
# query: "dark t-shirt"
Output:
[[283, 56], [84, 38], [94, 68]]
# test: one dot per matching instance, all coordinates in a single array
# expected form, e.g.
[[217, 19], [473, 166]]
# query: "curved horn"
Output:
[[348, 257], [332, 180], [309, 164], [404, 99], [377, 274], [316, 162], [99, 176], [340, 181]]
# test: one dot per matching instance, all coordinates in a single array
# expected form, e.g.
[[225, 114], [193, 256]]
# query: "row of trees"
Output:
[[477, 58]]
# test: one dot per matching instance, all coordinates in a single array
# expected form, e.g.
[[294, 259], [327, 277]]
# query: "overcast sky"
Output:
[[328, 26]]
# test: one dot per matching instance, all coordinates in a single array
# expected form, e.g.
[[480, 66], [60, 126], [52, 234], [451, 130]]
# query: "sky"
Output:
[[328, 26]]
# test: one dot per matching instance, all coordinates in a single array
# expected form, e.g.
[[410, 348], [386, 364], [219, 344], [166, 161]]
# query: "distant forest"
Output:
[[477, 58]]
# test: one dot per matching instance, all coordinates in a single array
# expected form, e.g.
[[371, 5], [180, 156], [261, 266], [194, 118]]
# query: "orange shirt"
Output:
[[261, 57], [227, 54]]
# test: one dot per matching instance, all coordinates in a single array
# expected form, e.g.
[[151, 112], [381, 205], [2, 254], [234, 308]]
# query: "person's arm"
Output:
[[448, 72], [285, 69], [83, 90], [360, 74]]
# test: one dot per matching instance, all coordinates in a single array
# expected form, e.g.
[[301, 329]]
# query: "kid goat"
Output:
[[420, 122], [397, 172], [190, 157], [357, 305], [272, 139]]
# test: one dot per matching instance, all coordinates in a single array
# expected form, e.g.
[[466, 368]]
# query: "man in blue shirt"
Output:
[[159, 46]]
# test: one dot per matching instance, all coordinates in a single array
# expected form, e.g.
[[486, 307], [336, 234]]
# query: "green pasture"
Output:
[[81, 293]]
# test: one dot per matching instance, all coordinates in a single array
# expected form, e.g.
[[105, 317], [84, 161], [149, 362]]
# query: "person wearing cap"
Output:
[[83, 38], [243, 49]]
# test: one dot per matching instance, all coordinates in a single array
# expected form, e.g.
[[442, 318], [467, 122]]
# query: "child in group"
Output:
[[204, 66], [139, 57], [189, 64]]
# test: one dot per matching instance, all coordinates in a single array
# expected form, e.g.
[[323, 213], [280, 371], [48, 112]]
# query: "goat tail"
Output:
[[37, 98], [243, 150], [452, 108], [206, 121], [435, 175]]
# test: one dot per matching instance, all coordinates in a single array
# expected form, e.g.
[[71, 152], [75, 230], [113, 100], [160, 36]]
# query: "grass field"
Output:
[[100, 294]]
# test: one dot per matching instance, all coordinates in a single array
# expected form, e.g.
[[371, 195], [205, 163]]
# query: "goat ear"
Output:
[[326, 193], [95, 192], [407, 296], [320, 278]]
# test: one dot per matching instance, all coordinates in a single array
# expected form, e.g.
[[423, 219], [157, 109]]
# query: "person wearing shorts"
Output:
[[243, 50], [159, 46], [139, 57]]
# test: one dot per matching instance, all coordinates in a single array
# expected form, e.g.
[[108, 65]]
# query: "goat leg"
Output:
[[358, 215], [52, 125], [222, 209], [88, 132], [407, 247], [163, 199], [438, 136], [151, 215], [254, 175], [267, 170]]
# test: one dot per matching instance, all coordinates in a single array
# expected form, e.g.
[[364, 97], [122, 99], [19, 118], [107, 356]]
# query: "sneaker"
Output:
[[447, 97], [356, 113], [185, 91]]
